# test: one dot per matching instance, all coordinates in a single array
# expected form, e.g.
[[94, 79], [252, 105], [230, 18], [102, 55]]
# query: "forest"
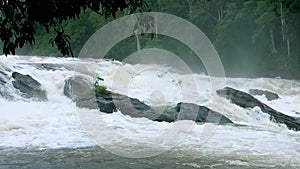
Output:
[[253, 37]]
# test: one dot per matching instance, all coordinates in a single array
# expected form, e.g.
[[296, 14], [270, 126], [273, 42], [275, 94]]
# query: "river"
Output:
[[52, 134]]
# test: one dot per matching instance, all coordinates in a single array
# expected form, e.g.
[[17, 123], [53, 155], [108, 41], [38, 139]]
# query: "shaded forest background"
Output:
[[253, 37]]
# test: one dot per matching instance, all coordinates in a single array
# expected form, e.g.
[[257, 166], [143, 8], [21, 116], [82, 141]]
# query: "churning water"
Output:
[[50, 135]]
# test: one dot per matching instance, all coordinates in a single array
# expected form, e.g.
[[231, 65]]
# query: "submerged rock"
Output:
[[29, 87], [80, 90], [269, 95], [245, 100]]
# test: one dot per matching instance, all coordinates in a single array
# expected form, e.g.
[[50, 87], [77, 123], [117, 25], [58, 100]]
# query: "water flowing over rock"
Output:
[[188, 111], [4, 89], [50, 66], [269, 95], [109, 102], [80, 90], [245, 100], [29, 87], [4, 78]]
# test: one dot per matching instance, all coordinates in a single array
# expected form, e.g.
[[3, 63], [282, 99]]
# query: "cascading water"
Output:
[[52, 127]]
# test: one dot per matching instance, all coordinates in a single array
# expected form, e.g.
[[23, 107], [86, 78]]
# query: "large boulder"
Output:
[[194, 112], [245, 100], [269, 95], [189, 111], [29, 87], [80, 90], [109, 102]]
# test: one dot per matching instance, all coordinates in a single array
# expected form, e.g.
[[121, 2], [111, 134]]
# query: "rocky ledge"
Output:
[[79, 89], [245, 100], [29, 87], [269, 95], [19, 84]]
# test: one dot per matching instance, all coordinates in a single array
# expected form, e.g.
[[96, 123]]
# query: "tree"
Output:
[[19, 19]]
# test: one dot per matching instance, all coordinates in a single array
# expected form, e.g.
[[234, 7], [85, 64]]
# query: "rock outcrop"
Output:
[[29, 87], [4, 78], [245, 100], [269, 95], [80, 90], [4, 89], [109, 102], [51, 66]]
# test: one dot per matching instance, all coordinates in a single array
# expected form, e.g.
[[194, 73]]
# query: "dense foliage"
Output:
[[19, 19], [252, 36]]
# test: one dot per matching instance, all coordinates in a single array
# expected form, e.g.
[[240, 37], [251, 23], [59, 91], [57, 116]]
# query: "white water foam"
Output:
[[55, 124]]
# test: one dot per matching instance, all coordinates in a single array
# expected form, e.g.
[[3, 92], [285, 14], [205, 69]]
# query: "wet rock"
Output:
[[50, 66], [245, 100], [53, 67], [5, 92], [29, 87], [110, 102], [4, 78], [189, 111], [88, 101], [269, 95], [80, 90], [105, 102], [169, 114]]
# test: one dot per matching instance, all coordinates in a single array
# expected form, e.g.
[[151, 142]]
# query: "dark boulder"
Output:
[[29, 87], [109, 102], [105, 102], [80, 90], [169, 114], [245, 100], [269, 95], [189, 111]]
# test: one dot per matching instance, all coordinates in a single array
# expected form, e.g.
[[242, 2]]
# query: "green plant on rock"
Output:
[[100, 89]]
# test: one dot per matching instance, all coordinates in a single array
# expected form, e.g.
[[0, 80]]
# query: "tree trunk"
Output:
[[274, 50], [288, 48], [190, 3], [282, 22], [284, 38], [138, 45], [219, 14]]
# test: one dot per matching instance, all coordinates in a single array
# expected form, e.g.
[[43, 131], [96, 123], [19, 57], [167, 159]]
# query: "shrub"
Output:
[[100, 89]]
